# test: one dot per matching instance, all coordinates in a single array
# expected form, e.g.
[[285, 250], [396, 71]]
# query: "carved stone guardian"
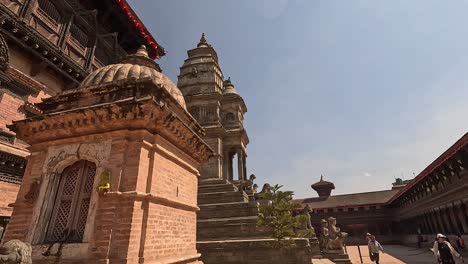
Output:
[[323, 238], [335, 236], [15, 252]]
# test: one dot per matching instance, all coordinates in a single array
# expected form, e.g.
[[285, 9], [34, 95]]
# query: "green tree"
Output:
[[275, 214]]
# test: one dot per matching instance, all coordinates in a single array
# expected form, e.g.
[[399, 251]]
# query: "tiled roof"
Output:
[[349, 200], [460, 144]]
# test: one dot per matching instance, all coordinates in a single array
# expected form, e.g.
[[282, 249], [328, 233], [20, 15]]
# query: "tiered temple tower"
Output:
[[217, 106], [227, 222]]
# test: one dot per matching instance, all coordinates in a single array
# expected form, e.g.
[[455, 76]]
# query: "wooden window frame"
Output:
[[73, 229]]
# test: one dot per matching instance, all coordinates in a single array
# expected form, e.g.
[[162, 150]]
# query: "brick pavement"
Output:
[[394, 255]]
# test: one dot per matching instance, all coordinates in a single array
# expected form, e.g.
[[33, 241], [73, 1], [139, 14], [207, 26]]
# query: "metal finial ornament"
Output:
[[142, 51], [203, 42]]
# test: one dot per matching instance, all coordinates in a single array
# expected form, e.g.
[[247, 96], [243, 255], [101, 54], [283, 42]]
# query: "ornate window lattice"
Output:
[[71, 208], [79, 36], [48, 9]]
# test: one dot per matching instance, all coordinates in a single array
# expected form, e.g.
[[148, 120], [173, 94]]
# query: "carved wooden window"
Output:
[[71, 206], [49, 11], [79, 37]]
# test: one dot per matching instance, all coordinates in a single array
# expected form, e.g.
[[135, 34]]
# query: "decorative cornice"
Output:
[[150, 112]]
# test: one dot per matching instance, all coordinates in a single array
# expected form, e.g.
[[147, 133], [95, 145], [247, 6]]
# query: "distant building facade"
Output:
[[435, 201]]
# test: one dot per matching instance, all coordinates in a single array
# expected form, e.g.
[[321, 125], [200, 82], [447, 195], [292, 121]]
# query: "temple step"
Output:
[[209, 188], [225, 210], [212, 181], [233, 227], [222, 197]]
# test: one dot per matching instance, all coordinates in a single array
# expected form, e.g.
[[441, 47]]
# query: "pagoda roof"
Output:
[[155, 49]]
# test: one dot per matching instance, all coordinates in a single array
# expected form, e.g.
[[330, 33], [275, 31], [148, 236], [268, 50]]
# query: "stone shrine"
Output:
[[112, 176], [227, 222]]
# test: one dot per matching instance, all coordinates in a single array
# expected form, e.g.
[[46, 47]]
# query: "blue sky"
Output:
[[360, 91]]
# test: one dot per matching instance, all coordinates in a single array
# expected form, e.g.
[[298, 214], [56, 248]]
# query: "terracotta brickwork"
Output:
[[150, 150], [8, 192], [10, 109]]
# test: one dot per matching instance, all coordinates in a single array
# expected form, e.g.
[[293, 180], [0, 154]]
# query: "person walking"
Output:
[[444, 252], [374, 249]]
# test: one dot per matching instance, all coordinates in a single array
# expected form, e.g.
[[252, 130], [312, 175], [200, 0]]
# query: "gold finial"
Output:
[[203, 42], [142, 51]]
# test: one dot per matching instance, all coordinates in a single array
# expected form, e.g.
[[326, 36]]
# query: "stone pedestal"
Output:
[[337, 256]]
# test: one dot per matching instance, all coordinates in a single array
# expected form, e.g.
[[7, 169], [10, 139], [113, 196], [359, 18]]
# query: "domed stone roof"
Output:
[[131, 68], [229, 87]]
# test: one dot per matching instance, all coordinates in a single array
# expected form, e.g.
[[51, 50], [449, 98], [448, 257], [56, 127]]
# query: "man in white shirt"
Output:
[[444, 251], [374, 248]]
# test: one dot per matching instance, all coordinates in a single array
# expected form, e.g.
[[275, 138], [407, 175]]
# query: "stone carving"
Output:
[[323, 238], [335, 236], [252, 178], [194, 72], [4, 57], [255, 187], [308, 223], [16, 252], [266, 188]]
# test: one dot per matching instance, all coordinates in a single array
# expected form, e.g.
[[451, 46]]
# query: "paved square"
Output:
[[394, 255]]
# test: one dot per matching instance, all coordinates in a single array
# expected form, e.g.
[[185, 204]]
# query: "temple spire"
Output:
[[203, 42]]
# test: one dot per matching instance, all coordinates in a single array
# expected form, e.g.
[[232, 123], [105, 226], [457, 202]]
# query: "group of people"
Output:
[[444, 252]]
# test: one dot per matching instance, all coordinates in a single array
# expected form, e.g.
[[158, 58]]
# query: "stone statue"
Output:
[[15, 252], [335, 236], [266, 188], [323, 238], [252, 178], [255, 187], [308, 223]]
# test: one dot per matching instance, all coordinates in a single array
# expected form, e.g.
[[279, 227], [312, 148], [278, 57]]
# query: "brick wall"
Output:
[[9, 109], [8, 192], [170, 233], [173, 182], [22, 214]]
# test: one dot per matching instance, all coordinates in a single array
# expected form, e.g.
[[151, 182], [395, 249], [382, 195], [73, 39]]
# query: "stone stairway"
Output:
[[225, 212], [227, 229]]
